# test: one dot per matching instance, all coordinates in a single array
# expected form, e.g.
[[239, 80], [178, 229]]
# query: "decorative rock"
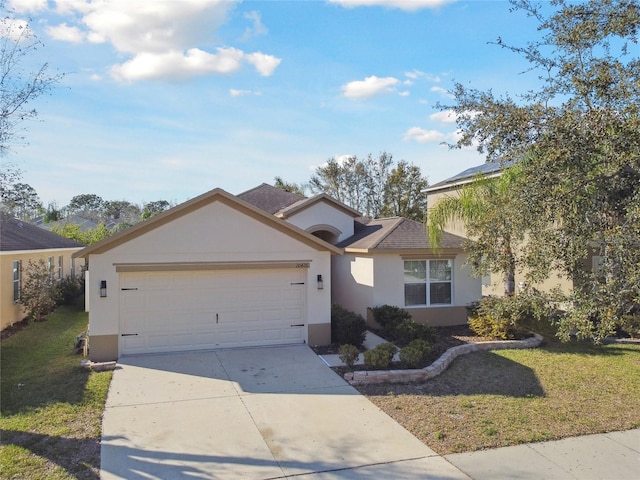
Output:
[[440, 365]]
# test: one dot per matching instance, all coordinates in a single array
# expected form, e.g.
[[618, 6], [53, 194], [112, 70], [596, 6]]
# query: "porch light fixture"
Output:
[[320, 282], [103, 288]]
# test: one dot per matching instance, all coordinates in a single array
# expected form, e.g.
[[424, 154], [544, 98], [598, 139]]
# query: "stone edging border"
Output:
[[440, 365]]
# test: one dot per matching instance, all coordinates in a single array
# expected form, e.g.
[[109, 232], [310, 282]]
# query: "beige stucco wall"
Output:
[[213, 233], [457, 227], [322, 213], [364, 281], [11, 312]]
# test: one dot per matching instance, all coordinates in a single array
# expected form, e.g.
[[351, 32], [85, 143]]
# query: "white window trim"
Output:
[[427, 282], [17, 269]]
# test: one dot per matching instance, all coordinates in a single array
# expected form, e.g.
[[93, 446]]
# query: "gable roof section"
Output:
[[396, 234], [18, 235], [305, 203], [216, 195], [466, 176], [269, 198]]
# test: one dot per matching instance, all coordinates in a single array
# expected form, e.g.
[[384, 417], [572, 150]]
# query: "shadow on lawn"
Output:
[[64, 385], [479, 373], [79, 457]]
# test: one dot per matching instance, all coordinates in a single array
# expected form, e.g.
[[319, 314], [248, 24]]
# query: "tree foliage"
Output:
[[577, 143], [37, 294], [487, 208], [88, 237], [19, 84], [290, 187], [372, 187]]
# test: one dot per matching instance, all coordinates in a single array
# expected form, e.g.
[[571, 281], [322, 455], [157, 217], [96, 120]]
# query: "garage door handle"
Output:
[[128, 289], [298, 283], [297, 325], [128, 334]]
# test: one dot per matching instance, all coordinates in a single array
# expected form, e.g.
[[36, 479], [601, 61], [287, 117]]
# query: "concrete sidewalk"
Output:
[[608, 456]]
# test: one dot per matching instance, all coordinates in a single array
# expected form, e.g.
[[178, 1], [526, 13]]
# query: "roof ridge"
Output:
[[398, 221]]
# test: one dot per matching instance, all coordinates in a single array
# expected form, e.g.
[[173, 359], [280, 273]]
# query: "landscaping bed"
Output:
[[508, 397]]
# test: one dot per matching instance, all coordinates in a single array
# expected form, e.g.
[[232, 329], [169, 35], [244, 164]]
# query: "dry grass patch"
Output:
[[508, 397]]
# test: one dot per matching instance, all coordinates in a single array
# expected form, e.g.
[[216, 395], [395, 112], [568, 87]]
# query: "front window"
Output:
[[60, 267], [428, 282], [16, 281]]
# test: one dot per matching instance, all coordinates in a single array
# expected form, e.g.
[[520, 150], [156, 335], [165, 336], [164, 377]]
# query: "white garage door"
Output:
[[172, 311]]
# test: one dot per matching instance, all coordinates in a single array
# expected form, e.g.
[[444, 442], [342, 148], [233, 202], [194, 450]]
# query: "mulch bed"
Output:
[[446, 337]]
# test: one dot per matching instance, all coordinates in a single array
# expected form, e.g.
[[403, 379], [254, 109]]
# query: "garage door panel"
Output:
[[170, 311]]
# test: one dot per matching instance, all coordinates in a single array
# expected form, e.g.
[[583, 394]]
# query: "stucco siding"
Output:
[[322, 213], [11, 312], [214, 233], [353, 282]]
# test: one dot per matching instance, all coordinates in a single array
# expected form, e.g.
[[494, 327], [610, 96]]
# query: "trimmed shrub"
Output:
[[348, 354], [510, 317], [415, 354], [347, 327], [389, 317], [396, 325], [380, 357]]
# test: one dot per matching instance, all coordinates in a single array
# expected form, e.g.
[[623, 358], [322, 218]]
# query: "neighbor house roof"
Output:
[[18, 235], [84, 223], [189, 206], [486, 169], [269, 198], [396, 233]]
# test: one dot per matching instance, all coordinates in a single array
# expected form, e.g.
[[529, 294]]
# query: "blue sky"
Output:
[[169, 99]]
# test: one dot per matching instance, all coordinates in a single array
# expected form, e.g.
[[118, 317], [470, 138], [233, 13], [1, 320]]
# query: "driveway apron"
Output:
[[258, 413]]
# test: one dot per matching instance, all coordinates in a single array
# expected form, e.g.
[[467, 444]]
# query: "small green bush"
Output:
[[510, 317], [630, 324], [415, 354], [389, 317], [347, 327], [67, 290], [380, 357], [348, 354], [397, 326]]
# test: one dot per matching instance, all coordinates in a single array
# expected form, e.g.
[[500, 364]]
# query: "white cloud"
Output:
[[445, 116], [369, 87], [417, 75], [421, 135], [15, 29], [257, 28], [407, 5], [66, 33], [404, 93], [176, 66], [265, 64], [22, 6], [239, 93], [442, 91], [164, 39]]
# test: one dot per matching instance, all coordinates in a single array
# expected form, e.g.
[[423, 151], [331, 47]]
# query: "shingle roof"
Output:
[[469, 173], [269, 198], [396, 233], [18, 235]]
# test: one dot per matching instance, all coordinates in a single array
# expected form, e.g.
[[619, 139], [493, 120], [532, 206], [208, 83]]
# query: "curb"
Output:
[[440, 365]]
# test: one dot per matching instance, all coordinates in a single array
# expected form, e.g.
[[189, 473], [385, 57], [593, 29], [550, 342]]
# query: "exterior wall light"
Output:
[[320, 282], [103, 288]]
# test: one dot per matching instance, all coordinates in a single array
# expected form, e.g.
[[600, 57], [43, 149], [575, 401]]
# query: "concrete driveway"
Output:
[[257, 413]]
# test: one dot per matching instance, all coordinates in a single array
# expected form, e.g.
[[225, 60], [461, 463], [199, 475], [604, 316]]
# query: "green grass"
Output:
[[508, 397], [51, 409]]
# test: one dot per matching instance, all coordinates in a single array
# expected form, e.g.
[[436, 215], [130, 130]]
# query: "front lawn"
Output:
[[51, 411], [508, 397]]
